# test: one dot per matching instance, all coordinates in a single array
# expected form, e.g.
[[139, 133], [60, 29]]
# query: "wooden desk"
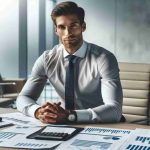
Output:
[[108, 125], [116, 125]]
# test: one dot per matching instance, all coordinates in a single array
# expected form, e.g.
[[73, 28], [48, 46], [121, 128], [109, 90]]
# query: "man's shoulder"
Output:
[[98, 50], [54, 51]]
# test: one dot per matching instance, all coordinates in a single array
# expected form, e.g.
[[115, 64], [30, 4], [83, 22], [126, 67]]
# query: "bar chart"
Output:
[[137, 147], [140, 143], [87, 144], [16, 120], [105, 131], [139, 140], [29, 145], [8, 139], [143, 139], [6, 135]]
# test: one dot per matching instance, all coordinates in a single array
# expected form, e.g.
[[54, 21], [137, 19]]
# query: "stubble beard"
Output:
[[72, 45]]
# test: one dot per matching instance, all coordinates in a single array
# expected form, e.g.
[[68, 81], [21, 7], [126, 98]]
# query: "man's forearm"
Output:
[[84, 115], [108, 113], [103, 113], [26, 105]]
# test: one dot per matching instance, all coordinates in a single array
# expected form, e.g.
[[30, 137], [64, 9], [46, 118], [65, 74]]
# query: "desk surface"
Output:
[[108, 125]]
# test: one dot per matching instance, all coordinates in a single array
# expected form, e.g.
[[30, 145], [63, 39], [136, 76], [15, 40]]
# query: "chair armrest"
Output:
[[11, 84], [8, 83]]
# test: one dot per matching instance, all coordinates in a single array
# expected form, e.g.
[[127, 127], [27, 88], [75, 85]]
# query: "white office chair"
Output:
[[135, 80]]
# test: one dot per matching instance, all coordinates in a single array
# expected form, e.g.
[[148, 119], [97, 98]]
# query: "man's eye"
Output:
[[75, 25], [61, 27]]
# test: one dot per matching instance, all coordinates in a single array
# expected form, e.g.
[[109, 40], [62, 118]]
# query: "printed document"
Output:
[[139, 140], [20, 119], [15, 137], [17, 140], [93, 138]]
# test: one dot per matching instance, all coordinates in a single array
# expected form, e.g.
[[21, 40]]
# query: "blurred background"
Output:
[[26, 30]]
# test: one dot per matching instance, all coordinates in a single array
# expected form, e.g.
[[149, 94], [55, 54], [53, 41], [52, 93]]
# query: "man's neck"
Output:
[[72, 50]]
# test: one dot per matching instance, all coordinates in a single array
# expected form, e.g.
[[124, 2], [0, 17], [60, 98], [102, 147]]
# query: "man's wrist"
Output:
[[36, 114], [72, 117], [84, 115]]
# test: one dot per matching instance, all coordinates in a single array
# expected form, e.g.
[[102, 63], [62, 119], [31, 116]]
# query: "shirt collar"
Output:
[[79, 53]]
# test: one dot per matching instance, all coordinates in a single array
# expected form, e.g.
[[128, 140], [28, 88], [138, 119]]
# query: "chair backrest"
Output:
[[135, 80]]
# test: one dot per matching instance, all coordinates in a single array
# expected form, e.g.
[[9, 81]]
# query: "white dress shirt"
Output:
[[98, 92]]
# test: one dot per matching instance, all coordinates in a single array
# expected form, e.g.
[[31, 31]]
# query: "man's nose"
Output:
[[68, 31]]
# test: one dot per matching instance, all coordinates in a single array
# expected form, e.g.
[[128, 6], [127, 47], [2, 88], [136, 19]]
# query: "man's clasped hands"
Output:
[[52, 113]]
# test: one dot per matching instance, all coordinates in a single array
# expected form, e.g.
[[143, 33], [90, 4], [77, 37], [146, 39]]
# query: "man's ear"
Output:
[[56, 31], [83, 26]]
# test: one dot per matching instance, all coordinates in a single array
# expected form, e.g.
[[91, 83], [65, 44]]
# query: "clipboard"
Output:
[[50, 132]]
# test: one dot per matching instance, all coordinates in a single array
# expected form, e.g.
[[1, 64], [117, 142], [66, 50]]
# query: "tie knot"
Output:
[[71, 58]]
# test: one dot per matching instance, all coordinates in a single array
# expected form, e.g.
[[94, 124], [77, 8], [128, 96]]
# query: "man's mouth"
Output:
[[69, 39]]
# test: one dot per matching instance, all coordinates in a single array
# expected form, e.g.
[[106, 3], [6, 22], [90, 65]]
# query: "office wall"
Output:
[[38, 12], [133, 31], [9, 38], [32, 32], [51, 38], [121, 26]]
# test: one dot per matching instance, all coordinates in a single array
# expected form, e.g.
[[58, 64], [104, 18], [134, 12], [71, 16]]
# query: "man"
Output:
[[97, 92]]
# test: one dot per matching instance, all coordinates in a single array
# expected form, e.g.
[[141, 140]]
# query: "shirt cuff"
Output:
[[31, 110], [94, 115], [84, 115]]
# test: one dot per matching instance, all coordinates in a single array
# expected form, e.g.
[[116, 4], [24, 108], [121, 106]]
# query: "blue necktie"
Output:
[[69, 84]]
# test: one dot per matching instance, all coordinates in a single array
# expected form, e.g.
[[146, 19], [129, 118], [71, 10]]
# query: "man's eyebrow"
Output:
[[59, 25], [75, 22]]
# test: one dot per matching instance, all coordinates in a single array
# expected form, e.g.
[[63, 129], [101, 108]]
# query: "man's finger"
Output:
[[59, 103], [51, 108], [48, 121], [57, 106], [49, 115], [46, 104], [48, 118]]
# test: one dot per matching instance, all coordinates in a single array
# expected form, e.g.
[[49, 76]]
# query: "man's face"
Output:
[[69, 30]]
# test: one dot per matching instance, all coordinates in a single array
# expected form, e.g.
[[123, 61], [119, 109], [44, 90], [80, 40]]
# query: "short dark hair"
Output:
[[67, 8]]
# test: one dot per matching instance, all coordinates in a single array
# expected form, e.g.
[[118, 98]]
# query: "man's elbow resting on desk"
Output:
[[26, 105], [108, 113]]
